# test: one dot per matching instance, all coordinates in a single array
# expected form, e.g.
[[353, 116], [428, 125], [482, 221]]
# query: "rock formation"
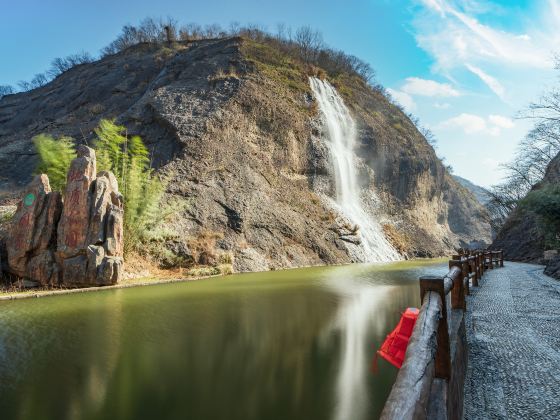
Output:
[[74, 241], [552, 268], [239, 138], [32, 238]]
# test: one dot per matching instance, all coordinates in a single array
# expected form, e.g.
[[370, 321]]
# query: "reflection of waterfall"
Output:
[[342, 134], [354, 321]]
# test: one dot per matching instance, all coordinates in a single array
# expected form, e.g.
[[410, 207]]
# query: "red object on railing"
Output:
[[394, 347]]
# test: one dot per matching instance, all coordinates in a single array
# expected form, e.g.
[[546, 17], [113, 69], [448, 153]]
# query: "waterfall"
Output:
[[342, 135]]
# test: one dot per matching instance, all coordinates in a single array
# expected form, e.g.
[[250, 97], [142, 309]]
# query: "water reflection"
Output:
[[353, 321], [292, 344]]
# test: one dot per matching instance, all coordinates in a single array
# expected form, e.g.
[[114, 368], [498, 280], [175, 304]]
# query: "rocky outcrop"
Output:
[[32, 239], [482, 194], [521, 237], [240, 140], [552, 268], [75, 240]]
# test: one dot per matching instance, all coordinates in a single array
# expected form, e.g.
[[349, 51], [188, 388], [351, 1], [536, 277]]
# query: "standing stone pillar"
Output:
[[33, 231], [90, 229]]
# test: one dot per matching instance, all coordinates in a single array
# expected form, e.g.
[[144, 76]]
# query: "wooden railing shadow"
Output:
[[430, 382]]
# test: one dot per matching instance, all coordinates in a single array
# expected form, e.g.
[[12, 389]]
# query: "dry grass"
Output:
[[203, 247], [399, 241], [96, 109], [231, 73]]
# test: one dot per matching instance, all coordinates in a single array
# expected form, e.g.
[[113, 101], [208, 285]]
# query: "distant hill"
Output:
[[479, 192]]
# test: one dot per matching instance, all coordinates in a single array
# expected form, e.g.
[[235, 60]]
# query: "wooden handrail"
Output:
[[411, 392], [428, 356]]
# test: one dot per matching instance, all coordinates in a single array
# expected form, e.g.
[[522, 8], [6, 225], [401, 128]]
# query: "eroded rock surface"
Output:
[[72, 231], [73, 241], [33, 233]]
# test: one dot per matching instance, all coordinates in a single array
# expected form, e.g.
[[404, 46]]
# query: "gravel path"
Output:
[[513, 331]]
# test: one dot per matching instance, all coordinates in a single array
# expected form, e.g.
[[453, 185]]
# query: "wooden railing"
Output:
[[430, 381]]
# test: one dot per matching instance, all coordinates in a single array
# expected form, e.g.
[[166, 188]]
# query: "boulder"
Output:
[[552, 268], [33, 232], [74, 271]]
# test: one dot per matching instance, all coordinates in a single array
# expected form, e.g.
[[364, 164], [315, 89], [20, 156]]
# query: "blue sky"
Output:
[[465, 67]]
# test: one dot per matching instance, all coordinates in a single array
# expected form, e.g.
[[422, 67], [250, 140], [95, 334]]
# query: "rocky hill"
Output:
[[234, 125], [479, 192], [521, 237]]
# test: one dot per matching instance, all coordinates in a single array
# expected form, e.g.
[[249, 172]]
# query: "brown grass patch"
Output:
[[399, 240]]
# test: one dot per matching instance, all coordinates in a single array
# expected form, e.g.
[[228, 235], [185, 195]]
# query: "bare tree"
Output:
[[191, 32], [533, 155], [309, 42], [60, 65], [234, 28], [6, 90]]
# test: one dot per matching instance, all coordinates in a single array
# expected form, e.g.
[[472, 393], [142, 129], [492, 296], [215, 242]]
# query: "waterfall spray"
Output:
[[342, 134]]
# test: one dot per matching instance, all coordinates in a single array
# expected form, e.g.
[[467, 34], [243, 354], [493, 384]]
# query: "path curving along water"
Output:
[[513, 331]]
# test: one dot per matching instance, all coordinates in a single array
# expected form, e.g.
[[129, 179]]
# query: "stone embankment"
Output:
[[73, 239]]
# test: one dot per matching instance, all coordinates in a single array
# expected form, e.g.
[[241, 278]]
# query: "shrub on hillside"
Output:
[[6, 90], [304, 44], [54, 158], [545, 203], [128, 158]]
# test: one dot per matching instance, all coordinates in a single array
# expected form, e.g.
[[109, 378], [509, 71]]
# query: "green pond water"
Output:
[[295, 344]]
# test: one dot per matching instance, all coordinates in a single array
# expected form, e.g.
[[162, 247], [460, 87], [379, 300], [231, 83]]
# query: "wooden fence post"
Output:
[[465, 268], [473, 269], [443, 352], [490, 260], [501, 258], [458, 292]]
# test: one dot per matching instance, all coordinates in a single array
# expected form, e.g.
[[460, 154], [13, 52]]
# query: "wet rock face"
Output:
[[74, 241]]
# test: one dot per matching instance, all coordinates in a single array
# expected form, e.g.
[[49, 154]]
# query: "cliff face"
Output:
[[481, 194], [234, 125], [520, 237]]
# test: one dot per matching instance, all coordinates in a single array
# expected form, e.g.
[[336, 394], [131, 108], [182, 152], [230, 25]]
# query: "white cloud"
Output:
[[490, 81], [501, 121], [435, 5], [469, 123], [472, 124], [424, 87], [402, 98], [455, 36]]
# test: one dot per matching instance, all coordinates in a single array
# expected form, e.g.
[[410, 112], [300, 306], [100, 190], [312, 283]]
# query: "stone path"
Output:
[[513, 331]]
